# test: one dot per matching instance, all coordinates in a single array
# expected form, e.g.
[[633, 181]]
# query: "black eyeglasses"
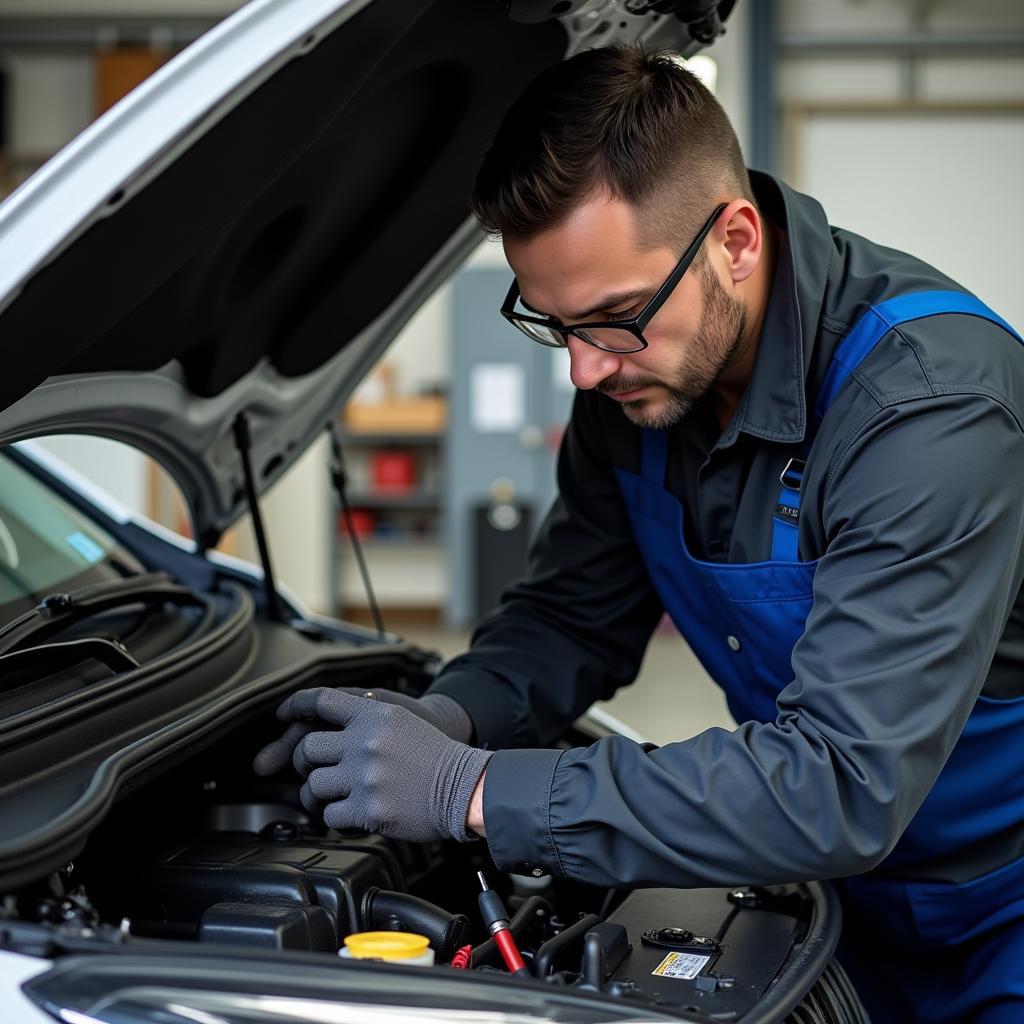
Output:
[[614, 335]]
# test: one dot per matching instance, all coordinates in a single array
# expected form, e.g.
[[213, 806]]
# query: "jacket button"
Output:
[[733, 642]]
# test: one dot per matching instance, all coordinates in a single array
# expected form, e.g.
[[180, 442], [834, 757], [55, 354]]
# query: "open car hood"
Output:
[[248, 230]]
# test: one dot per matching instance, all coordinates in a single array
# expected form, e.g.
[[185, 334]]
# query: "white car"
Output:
[[205, 274]]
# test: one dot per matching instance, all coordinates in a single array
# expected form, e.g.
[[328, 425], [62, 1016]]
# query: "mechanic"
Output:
[[807, 449]]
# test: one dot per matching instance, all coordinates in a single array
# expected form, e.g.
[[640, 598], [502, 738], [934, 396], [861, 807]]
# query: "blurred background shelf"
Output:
[[394, 450], [395, 438], [416, 500], [407, 572]]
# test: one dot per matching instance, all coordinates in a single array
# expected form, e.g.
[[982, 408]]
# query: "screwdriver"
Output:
[[495, 916]]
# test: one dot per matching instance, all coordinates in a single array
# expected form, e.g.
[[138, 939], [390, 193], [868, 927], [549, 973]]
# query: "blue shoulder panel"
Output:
[[880, 319], [867, 332]]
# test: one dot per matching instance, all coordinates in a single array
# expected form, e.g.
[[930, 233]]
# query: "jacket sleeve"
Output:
[[925, 526], [576, 628]]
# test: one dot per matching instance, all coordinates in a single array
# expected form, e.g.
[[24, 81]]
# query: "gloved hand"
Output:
[[384, 769], [439, 710]]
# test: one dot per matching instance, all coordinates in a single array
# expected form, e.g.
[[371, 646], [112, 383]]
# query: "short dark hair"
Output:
[[619, 118]]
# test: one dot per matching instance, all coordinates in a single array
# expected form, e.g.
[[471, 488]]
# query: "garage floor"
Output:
[[672, 698]]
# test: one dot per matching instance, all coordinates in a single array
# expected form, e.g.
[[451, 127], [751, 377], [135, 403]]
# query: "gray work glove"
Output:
[[383, 769], [441, 711]]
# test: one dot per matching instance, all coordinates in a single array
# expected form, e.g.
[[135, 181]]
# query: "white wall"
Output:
[[879, 142], [949, 204], [731, 52], [867, 77], [50, 100], [297, 515], [419, 355], [879, 17]]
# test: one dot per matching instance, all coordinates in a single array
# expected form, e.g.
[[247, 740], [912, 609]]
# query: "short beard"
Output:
[[720, 333]]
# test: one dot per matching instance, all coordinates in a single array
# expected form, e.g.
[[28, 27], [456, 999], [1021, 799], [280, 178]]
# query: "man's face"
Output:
[[590, 267]]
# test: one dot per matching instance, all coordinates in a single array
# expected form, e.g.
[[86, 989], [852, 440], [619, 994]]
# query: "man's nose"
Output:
[[589, 365]]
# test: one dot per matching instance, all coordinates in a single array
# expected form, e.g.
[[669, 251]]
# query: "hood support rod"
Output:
[[243, 442], [339, 478]]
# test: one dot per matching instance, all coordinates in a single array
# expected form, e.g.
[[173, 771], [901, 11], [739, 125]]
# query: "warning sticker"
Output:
[[681, 965]]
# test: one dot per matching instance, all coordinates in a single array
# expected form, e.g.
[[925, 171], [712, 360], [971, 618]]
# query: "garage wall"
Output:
[[919, 150], [958, 74], [895, 178], [49, 100]]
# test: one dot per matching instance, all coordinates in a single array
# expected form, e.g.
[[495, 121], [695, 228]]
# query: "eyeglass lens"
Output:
[[538, 332], [611, 339]]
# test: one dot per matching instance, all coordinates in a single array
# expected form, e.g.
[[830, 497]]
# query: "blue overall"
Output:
[[917, 950]]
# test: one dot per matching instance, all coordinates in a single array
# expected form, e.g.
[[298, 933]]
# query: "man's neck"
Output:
[[733, 381]]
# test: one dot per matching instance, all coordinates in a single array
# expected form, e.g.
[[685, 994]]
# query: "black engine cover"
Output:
[[249, 889]]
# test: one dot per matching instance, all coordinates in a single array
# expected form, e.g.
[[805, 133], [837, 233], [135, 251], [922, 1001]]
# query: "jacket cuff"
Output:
[[472, 764], [450, 715], [517, 800], [485, 700]]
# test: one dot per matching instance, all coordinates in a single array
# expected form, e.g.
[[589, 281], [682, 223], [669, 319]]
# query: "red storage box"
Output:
[[362, 522], [393, 471]]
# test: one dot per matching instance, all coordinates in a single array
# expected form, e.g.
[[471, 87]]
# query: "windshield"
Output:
[[47, 546]]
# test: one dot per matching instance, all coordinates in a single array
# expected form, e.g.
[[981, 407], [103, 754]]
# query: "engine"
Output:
[[260, 875], [203, 856]]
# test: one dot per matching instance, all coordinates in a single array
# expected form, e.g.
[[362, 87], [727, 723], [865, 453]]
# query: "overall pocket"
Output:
[[950, 914]]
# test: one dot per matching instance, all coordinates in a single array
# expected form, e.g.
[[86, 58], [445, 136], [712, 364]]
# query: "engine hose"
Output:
[[533, 909], [568, 943], [397, 911]]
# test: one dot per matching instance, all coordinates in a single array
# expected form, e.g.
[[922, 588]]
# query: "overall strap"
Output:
[[867, 332]]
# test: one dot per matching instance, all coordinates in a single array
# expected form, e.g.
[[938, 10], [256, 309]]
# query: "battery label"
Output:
[[681, 965]]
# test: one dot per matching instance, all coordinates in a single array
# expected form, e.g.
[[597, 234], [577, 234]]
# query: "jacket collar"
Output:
[[774, 406]]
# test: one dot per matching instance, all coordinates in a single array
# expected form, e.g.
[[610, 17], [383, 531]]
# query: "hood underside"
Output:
[[249, 229]]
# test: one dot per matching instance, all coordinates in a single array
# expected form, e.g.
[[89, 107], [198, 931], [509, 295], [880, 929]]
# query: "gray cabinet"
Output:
[[508, 403]]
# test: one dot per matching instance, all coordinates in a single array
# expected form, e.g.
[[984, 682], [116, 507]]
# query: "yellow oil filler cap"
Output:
[[391, 947]]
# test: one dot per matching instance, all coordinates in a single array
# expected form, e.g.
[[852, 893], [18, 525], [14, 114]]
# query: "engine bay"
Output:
[[209, 857]]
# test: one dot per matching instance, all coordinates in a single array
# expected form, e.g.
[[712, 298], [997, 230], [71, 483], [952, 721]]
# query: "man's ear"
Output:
[[740, 233]]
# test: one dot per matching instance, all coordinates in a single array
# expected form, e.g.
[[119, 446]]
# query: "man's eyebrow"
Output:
[[609, 302], [537, 312]]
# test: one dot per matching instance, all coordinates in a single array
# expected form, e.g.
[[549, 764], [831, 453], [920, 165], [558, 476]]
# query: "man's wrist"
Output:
[[475, 811], [466, 771]]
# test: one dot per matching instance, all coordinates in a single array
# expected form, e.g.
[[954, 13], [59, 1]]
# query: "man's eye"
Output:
[[624, 314]]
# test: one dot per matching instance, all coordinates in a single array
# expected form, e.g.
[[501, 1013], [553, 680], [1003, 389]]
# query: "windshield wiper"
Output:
[[56, 611], [47, 659]]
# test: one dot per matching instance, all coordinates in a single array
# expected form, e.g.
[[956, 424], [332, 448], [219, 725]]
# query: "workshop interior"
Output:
[[256, 382]]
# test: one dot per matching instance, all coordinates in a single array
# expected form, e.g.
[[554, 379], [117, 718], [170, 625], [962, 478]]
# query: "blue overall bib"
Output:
[[955, 952]]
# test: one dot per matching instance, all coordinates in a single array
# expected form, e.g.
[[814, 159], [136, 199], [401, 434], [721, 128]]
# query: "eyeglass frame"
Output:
[[635, 324]]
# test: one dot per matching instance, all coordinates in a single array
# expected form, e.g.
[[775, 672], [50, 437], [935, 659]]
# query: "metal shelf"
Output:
[[390, 439], [412, 500], [391, 540]]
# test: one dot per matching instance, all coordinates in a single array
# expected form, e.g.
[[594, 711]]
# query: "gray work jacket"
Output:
[[912, 501]]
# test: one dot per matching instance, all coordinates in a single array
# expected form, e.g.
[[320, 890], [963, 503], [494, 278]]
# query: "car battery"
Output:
[[708, 951]]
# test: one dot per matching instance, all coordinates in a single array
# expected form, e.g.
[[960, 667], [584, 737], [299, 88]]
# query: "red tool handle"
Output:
[[509, 952]]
